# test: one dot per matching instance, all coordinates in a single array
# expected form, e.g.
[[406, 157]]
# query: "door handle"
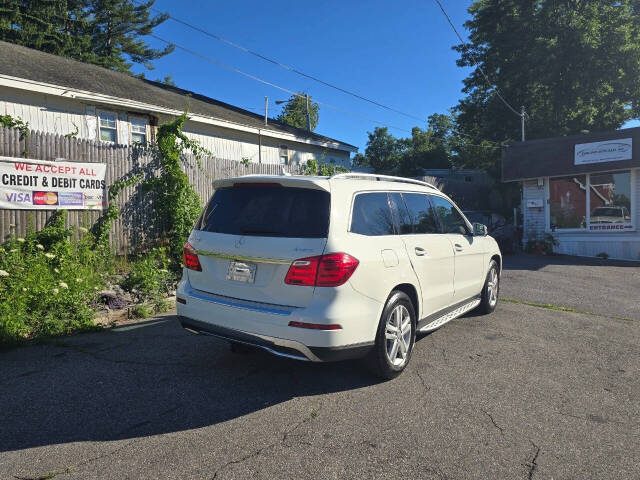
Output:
[[458, 247], [420, 252]]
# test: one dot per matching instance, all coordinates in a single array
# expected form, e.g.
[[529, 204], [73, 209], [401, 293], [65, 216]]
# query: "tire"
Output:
[[490, 294], [397, 310]]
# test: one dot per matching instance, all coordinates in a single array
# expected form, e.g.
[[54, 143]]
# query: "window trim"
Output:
[[111, 112], [633, 179]]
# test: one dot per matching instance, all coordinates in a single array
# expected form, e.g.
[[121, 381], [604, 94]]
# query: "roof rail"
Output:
[[377, 177]]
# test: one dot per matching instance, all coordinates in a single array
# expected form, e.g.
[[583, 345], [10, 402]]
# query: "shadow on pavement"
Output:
[[146, 379], [524, 261]]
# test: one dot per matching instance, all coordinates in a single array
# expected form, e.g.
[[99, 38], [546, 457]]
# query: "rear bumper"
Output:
[[278, 346], [267, 326]]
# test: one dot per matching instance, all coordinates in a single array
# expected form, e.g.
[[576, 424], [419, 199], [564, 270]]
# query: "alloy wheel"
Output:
[[398, 336]]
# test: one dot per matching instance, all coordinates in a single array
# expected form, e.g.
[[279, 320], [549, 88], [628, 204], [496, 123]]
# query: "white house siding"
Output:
[[45, 113], [533, 218], [53, 114], [236, 145], [617, 245]]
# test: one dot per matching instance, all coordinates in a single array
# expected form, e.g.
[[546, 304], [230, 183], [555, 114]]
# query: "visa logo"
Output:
[[18, 197]]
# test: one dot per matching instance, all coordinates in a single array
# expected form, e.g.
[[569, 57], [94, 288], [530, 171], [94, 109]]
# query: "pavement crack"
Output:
[[493, 421], [532, 465], [45, 476], [95, 355], [281, 441], [425, 386]]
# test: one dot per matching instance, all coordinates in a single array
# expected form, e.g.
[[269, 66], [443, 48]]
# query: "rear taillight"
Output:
[[190, 258], [331, 270]]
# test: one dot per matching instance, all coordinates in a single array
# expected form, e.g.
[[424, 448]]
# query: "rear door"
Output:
[[468, 250], [250, 233], [430, 252]]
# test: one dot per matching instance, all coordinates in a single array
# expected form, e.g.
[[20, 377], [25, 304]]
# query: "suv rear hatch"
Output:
[[251, 232]]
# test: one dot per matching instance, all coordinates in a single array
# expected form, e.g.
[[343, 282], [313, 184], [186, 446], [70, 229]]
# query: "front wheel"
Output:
[[491, 289], [395, 338]]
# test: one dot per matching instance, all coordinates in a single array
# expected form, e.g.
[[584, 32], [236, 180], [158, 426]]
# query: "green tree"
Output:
[[103, 32], [116, 30], [383, 151], [424, 149], [574, 65], [53, 26], [294, 112]]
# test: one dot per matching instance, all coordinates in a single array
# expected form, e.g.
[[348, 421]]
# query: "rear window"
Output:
[[267, 211]]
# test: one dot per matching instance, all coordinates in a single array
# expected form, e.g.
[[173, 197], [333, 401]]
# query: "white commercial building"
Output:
[[583, 190]]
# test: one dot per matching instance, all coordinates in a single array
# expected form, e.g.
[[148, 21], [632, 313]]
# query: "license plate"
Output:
[[241, 271]]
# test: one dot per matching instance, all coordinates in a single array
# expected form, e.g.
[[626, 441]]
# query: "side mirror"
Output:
[[479, 230]]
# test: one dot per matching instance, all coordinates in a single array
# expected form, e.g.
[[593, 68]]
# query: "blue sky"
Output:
[[397, 53]]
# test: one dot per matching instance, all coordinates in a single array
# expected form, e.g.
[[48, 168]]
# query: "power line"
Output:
[[282, 65], [477, 64], [271, 84], [291, 92]]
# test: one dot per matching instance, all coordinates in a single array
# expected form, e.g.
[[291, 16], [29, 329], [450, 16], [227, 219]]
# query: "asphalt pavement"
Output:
[[524, 393]]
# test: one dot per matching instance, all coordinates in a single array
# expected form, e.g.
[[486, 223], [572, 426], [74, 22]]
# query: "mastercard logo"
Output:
[[45, 198]]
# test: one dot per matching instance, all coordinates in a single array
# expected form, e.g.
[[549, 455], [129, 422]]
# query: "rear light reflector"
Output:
[[190, 258], [315, 326], [331, 270], [181, 300]]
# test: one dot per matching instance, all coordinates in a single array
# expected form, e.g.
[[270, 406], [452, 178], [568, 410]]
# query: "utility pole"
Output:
[[266, 108], [308, 117], [522, 115]]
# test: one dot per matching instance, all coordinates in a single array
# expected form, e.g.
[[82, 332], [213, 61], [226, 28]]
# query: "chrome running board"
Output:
[[450, 315]]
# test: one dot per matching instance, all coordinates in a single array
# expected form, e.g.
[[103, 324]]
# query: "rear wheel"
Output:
[[491, 289], [395, 338]]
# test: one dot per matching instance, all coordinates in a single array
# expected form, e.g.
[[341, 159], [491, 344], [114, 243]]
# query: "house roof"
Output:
[[554, 157], [34, 65]]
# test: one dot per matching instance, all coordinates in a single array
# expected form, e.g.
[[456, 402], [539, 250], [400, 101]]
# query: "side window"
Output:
[[423, 217], [452, 221], [400, 213], [371, 215]]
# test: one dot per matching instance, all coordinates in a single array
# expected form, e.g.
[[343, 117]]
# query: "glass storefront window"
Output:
[[568, 202], [610, 198]]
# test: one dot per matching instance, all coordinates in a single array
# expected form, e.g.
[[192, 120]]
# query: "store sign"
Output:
[[40, 185], [608, 151]]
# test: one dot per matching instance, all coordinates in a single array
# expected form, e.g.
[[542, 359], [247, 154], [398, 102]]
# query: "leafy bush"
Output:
[[49, 282], [149, 276], [542, 246]]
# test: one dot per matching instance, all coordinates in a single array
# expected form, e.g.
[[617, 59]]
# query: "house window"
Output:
[[283, 152], [568, 202], [138, 130], [610, 201], [108, 126]]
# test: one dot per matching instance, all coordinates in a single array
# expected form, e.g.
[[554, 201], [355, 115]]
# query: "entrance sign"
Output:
[[607, 151], [27, 184]]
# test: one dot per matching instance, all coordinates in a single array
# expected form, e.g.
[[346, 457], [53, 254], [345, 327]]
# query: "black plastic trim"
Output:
[[324, 354]]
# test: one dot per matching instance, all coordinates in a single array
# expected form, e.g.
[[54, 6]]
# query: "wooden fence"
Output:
[[136, 206]]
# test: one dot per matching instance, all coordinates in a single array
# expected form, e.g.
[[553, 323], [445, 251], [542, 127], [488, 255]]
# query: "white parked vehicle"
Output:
[[334, 268]]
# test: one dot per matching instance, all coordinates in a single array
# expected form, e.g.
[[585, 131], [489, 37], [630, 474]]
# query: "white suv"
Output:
[[334, 268]]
